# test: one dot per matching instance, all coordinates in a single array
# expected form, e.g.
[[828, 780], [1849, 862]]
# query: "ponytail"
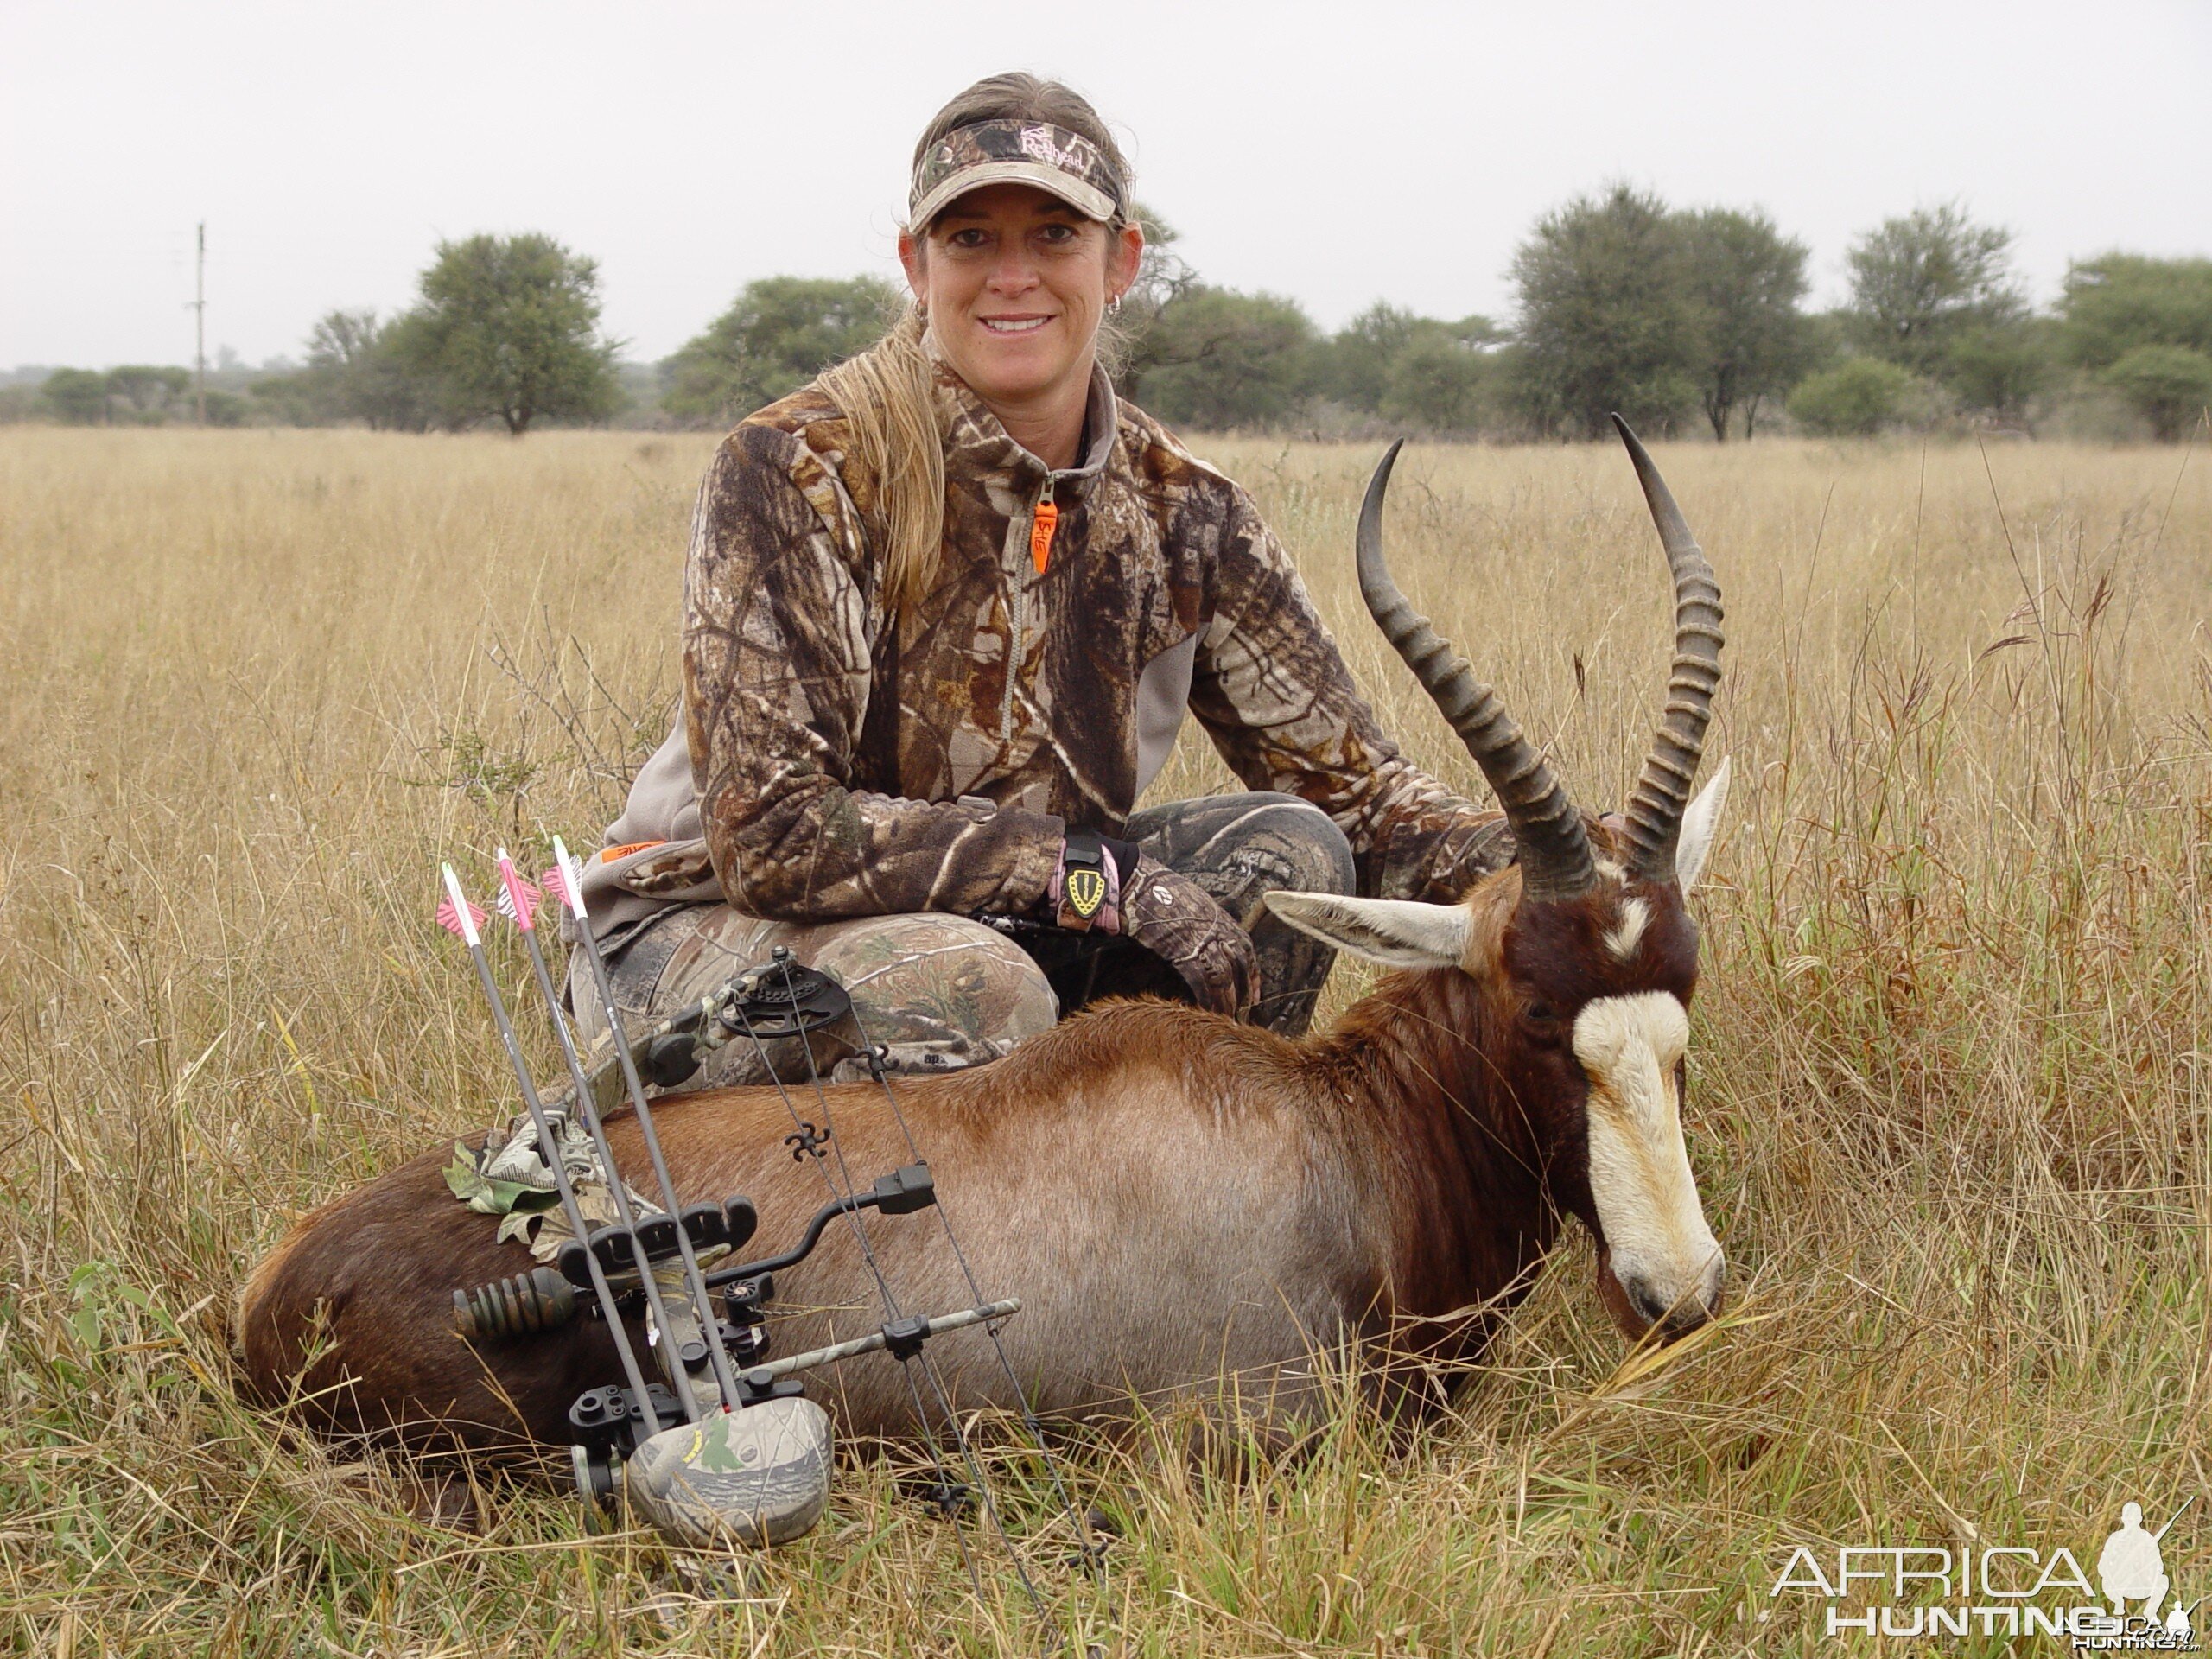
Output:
[[888, 398]]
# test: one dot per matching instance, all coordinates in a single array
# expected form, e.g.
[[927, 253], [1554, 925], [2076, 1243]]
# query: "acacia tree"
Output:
[[1134, 348], [2145, 325], [1217, 358], [1746, 279], [1440, 380], [2116, 302], [1423, 371], [1355, 367], [77, 395], [509, 326], [777, 334], [377, 372], [1922, 282], [1608, 319]]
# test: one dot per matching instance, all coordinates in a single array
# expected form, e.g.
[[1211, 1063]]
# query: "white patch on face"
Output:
[[1624, 936], [1639, 1168]]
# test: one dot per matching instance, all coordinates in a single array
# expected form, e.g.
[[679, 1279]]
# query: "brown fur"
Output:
[[1176, 1199]]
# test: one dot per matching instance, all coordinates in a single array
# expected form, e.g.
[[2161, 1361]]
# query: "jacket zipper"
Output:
[[1044, 520]]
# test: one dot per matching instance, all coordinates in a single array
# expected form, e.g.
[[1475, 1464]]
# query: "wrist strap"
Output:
[[1087, 887]]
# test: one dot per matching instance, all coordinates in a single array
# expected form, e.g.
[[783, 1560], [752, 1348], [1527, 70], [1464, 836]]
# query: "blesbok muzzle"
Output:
[[1664, 1265]]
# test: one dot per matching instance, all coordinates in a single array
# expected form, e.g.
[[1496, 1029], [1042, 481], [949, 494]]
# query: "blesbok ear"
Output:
[[1397, 931], [1701, 824]]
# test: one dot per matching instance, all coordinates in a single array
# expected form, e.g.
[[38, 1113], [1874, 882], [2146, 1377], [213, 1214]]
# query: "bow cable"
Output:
[[782, 960]]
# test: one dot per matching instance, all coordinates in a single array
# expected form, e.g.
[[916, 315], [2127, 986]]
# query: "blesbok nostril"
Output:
[[1644, 1299]]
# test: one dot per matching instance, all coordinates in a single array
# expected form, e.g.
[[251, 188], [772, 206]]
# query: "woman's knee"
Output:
[[1319, 850], [1249, 843], [937, 991]]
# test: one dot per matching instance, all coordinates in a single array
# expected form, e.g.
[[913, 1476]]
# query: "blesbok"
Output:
[[1176, 1198]]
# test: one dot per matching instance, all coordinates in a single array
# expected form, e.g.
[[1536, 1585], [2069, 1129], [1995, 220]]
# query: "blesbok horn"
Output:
[[1554, 852], [1662, 790]]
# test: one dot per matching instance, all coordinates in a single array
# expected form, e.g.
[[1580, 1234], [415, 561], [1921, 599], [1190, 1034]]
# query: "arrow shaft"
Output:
[[603, 982], [573, 1212], [693, 1281]]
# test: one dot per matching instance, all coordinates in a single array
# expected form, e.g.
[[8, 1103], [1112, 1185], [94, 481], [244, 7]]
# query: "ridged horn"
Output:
[[1554, 853], [1662, 790]]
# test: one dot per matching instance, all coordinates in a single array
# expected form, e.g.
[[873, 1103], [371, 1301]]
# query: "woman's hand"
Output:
[[1177, 921]]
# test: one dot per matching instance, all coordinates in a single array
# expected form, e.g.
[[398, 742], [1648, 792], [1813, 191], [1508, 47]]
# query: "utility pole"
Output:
[[199, 325]]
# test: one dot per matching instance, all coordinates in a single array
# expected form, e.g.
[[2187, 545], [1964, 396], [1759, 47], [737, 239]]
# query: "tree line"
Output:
[[1682, 320]]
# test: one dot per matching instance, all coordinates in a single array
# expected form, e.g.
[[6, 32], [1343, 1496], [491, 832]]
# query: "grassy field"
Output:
[[1951, 1074]]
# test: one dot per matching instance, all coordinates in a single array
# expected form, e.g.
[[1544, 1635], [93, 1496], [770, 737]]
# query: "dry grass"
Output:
[[1952, 1061]]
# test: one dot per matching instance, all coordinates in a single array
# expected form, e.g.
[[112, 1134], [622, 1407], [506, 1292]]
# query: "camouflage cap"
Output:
[[1065, 164]]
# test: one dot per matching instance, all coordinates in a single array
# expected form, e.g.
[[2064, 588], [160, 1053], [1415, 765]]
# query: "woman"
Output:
[[945, 610]]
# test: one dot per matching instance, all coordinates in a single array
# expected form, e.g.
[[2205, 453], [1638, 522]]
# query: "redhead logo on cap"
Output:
[[1038, 142]]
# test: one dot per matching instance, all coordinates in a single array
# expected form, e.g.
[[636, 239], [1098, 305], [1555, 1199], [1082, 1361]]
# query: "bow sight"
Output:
[[724, 1446]]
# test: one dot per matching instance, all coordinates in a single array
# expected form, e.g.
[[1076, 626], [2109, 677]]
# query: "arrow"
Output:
[[521, 907], [458, 916]]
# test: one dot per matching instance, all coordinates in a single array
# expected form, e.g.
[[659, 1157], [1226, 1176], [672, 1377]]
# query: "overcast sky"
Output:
[[1339, 153]]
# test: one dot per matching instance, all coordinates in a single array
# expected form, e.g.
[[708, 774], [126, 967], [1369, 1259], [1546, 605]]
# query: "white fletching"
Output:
[[572, 885]]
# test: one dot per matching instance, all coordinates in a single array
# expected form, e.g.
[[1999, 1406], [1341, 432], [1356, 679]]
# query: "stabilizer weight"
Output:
[[544, 1298], [541, 1299]]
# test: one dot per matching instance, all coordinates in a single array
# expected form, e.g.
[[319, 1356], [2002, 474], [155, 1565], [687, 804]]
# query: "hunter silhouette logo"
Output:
[[1086, 891], [2132, 1568], [2005, 1589]]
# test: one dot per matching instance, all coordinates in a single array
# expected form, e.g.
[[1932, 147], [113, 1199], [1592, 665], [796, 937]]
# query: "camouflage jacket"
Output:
[[832, 762]]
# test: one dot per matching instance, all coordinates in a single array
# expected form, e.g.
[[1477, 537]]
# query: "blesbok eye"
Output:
[[1541, 1021]]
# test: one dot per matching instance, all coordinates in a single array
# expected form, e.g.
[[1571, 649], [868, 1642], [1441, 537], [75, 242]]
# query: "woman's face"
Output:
[[1015, 281]]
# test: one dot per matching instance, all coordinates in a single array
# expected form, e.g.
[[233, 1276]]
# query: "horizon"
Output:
[[327, 162]]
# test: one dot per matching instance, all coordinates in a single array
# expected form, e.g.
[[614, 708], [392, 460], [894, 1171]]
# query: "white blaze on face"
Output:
[[1663, 1254]]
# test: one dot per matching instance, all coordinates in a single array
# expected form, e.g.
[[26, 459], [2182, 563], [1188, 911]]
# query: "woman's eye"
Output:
[[970, 237]]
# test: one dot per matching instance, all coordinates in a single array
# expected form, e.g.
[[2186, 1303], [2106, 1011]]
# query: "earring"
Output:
[[1113, 306]]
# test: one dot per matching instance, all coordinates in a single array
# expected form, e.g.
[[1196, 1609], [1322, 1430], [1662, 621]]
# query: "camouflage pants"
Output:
[[942, 991]]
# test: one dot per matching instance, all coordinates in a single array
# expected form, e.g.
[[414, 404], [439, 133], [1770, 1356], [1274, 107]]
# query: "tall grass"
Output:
[[1948, 1107]]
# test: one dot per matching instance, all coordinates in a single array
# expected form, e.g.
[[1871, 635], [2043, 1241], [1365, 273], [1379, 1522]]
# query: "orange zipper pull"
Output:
[[1040, 533]]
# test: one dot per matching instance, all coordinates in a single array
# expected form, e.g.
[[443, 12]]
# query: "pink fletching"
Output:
[[556, 881], [451, 922]]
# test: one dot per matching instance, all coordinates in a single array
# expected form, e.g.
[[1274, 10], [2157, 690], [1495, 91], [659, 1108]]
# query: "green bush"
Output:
[[2168, 386], [228, 408], [1859, 396], [2114, 303], [777, 334], [1439, 385], [1219, 360], [78, 396]]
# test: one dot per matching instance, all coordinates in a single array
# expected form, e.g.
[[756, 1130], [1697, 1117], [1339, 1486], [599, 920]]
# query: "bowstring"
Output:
[[889, 1300], [929, 1366], [1094, 1558]]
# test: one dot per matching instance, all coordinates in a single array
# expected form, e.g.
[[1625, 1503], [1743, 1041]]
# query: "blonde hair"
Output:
[[887, 394]]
